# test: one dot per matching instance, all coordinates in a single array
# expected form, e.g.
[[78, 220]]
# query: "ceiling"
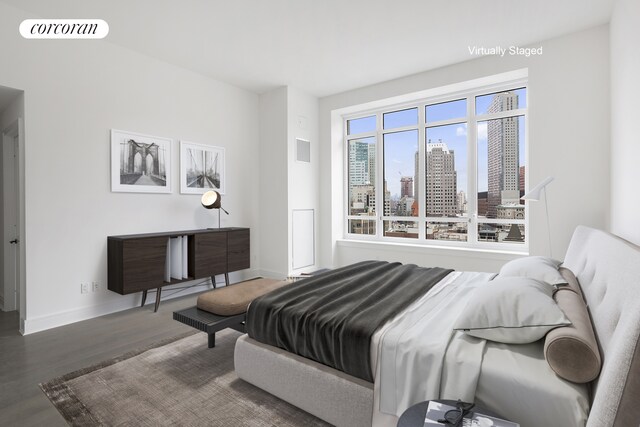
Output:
[[322, 46]]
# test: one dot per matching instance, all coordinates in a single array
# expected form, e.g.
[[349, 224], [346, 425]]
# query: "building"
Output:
[[387, 200], [503, 152], [405, 206], [462, 202], [441, 180], [359, 163], [406, 186], [371, 164], [510, 211], [363, 200]]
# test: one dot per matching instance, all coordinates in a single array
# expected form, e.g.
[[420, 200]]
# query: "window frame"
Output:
[[471, 119]]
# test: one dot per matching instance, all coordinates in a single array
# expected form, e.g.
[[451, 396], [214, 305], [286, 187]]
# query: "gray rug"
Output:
[[177, 382]]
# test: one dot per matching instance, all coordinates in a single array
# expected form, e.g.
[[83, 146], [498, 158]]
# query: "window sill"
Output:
[[493, 254]]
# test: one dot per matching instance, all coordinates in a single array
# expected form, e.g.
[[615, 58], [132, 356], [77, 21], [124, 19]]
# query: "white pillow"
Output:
[[535, 267], [511, 310]]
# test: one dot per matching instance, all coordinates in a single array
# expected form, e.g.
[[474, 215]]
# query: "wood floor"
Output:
[[27, 361]]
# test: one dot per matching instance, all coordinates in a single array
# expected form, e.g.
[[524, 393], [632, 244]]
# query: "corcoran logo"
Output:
[[64, 29]]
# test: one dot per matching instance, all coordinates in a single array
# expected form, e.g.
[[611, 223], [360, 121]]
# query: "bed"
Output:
[[608, 271]]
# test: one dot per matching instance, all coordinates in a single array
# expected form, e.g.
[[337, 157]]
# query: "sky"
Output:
[[400, 147]]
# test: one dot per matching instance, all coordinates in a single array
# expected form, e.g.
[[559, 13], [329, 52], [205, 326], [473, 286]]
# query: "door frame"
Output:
[[8, 134]]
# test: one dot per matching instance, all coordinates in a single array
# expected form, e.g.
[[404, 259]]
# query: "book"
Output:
[[185, 257], [436, 411], [176, 258], [167, 262]]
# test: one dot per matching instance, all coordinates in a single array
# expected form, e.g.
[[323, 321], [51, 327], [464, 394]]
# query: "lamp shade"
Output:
[[211, 200], [534, 193]]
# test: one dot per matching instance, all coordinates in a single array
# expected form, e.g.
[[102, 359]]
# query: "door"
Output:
[[11, 229]]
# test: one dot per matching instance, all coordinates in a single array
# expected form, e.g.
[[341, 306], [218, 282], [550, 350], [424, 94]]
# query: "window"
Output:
[[447, 171]]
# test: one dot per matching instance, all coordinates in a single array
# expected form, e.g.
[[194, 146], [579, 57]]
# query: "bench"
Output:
[[225, 307]]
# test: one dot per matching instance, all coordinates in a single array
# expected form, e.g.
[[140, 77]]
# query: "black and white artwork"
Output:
[[201, 168], [140, 163]]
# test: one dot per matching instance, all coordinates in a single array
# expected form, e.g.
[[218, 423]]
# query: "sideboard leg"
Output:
[[226, 279], [158, 293], [144, 298]]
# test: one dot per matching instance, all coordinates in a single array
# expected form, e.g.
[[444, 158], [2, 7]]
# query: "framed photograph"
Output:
[[201, 168], [140, 163]]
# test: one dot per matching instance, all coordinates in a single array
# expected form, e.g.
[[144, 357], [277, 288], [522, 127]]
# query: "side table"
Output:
[[414, 416]]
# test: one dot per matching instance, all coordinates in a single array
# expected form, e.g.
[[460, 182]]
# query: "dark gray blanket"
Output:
[[330, 318]]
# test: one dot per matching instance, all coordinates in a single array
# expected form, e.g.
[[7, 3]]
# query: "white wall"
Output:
[[12, 112], [286, 113], [568, 138], [304, 178], [75, 92], [273, 183], [625, 113]]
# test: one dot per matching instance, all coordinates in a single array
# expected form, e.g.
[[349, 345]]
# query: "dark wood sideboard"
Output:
[[137, 262]]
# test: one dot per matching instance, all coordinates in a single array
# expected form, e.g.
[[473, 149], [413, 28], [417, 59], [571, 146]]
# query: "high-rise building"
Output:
[[462, 202], [386, 209], [503, 154], [441, 180], [371, 166], [406, 186], [358, 163], [482, 204]]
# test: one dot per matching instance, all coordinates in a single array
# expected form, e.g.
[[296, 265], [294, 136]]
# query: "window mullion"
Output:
[[420, 190], [379, 177], [345, 171], [472, 177]]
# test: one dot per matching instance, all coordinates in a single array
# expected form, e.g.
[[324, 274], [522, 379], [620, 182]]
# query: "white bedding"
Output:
[[517, 383], [413, 360]]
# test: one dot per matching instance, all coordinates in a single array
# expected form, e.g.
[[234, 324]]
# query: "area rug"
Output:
[[179, 382]]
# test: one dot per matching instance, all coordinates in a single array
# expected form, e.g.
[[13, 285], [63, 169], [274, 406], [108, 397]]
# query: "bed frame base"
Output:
[[338, 398]]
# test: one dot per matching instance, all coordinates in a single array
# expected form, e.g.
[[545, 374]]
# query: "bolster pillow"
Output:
[[572, 351]]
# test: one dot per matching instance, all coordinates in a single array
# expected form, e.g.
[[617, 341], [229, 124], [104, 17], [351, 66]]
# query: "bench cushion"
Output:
[[235, 299]]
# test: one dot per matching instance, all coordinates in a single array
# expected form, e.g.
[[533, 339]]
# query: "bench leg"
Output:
[[212, 340]]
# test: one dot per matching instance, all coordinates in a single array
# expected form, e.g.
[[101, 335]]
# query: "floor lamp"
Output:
[[534, 195]]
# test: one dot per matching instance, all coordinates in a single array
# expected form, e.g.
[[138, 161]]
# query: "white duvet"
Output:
[[416, 357], [415, 360]]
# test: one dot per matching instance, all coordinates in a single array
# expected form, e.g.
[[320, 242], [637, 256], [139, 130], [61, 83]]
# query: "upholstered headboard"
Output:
[[608, 269]]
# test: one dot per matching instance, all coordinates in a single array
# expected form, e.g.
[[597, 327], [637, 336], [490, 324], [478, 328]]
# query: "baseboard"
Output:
[[42, 323], [271, 274]]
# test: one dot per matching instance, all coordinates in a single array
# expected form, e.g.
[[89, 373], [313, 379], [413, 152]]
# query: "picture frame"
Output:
[[140, 163], [202, 168]]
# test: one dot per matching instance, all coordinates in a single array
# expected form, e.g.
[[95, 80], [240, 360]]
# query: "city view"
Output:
[[500, 169]]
